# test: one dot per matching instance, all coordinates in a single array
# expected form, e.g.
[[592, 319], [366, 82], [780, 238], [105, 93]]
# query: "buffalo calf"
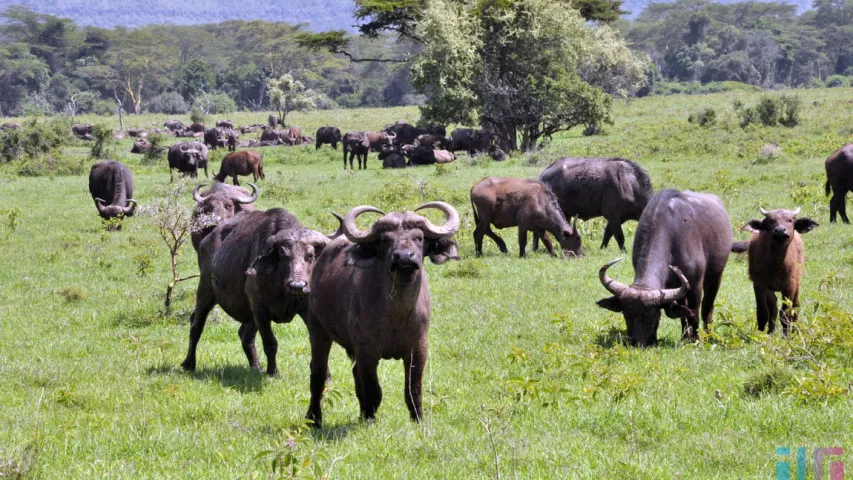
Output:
[[244, 162], [775, 254]]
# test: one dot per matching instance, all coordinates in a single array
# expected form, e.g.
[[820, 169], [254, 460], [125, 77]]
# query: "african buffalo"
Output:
[[392, 157], [680, 250], [330, 135], [497, 154], [197, 127], [421, 155], [215, 138], [839, 180], [232, 141], [188, 157], [83, 131], [432, 140], [244, 162], [218, 203], [614, 188], [173, 125], [375, 140], [370, 295], [776, 261], [526, 204], [225, 124], [357, 146], [470, 140], [111, 186], [273, 120], [256, 267], [405, 134]]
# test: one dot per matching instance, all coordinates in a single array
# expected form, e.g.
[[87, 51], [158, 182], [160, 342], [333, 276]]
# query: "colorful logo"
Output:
[[836, 469]]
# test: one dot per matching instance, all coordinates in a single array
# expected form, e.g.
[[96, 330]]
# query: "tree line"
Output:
[[50, 64], [762, 44]]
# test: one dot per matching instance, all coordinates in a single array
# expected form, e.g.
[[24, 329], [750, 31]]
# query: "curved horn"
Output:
[[670, 295], [197, 196], [243, 200], [130, 209], [797, 211], [352, 232], [340, 230], [611, 285], [763, 211], [99, 204], [451, 225]]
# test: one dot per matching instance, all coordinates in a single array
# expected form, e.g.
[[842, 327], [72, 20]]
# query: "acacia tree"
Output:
[[288, 94], [140, 60], [524, 69]]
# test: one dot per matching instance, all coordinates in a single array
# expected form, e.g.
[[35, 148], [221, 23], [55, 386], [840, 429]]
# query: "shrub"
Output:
[[34, 139], [103, 141], [784, 110], [153, 154], [768, 111], [196, 115], [222, 103], [790, 110], [171, 103], [835, 81], [705, 118], [86, 101]]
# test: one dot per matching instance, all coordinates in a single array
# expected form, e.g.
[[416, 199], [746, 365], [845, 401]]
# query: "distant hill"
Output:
[[319, 15], [637, 6]]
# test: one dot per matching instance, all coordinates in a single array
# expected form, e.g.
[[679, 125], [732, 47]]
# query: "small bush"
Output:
[[171, 103], [836, 81], [153, 154], [196, 115], [222, 103], [770, 381], [706, 118], [784, 110], [34, 140], [768, 111], [789, 110], [102, 147]]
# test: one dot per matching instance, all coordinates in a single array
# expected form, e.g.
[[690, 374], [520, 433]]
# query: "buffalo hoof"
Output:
[[188, 365], [272, 373]]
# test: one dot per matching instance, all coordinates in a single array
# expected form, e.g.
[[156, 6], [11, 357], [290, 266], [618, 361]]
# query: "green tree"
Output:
[[139, 61], [525, 69], [194, 77], [288, 94]]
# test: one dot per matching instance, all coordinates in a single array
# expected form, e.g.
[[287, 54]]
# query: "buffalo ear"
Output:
[[754, 226], [804, 225], [676, 310], [441, 250], [611, 303]]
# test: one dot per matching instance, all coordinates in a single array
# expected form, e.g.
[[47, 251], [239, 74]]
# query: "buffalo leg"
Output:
[[414, 371], [536, 241], [842, 207], [772, 310], [712, 286], [833, 206], [549, 247], [607, 234], [320, 346], [616, 227], [761, 308], [487, 230], [247, 334], [522, 241], [237, 182], [371, 392], [478, 240], [204, 304], [345, 159], [264, 325]]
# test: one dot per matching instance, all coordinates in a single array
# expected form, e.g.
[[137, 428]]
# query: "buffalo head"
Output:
[[401, 240], [221, 204], [641, 306], [781, 224], [111, 211]]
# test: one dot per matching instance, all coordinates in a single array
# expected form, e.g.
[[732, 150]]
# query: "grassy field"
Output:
[[527, 377]]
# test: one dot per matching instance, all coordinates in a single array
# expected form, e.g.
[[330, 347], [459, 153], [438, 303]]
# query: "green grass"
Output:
[[526, 374]]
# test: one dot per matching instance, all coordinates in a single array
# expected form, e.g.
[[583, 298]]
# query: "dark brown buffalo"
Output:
[[420, 155], [432, 140], [328, 135], [225, 124], [404, 133], [497, 154], [197, 127], [680, 250], [273, 120], [526, 204], [370, 295], [256, 267], [173, 125], [392, 157], [218, 203], [244, 162], [83, 131], [232, 141], [776, 262], [111, 186], [839, 180], [252, 128], [188, 157], [613, 188], [215, 138], [356, 145], [142, 145], [470, 140]]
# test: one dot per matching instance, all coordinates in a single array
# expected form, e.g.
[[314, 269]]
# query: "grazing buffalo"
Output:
[[776, 261], [330, 135], [188, 157], [470, 140], [215, 138], [111, 186], [614, 188], [839, 180], [245, 162], [392, 157], [526, 204], [83, 131], [218, 203], [256, 267], [173, 125], [680, 250], [356, 145], [370, 295], [226, 124]]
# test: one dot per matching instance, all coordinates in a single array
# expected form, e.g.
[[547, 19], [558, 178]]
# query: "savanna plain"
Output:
[[527, 377]]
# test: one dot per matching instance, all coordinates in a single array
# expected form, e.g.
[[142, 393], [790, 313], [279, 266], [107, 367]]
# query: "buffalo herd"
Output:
[[367, 290]]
